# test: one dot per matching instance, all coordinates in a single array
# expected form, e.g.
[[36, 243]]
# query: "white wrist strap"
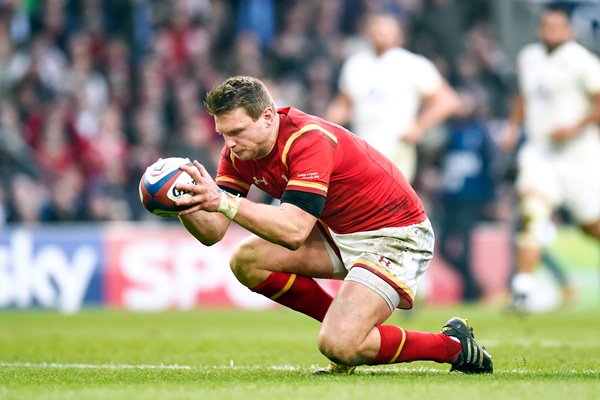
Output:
[[229, 204]]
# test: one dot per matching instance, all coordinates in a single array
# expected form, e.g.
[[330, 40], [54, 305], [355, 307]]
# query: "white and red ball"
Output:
[[157, 186]]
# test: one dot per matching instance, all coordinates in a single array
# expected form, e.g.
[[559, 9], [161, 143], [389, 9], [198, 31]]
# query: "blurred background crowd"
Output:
[[94, 91]]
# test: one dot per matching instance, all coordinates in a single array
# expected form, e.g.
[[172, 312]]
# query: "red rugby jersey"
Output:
[[364, 190]]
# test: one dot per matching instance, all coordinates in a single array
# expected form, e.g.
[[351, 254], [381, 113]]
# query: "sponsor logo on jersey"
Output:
[[259, 181]]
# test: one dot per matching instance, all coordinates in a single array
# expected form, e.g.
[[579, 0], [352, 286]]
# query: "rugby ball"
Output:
[[157, 186]]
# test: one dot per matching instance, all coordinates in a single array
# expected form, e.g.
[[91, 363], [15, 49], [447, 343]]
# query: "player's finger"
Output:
[[194, 201], [202, 170], [192, 171], [188, 187], [190, 210]]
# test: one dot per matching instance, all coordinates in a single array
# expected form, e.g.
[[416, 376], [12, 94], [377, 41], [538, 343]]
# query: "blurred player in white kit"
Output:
[[559, 163], [391, 96]]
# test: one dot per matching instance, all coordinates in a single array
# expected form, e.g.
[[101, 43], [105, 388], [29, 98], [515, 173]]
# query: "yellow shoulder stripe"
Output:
[[313, 185], [295, 136], [234, 181]]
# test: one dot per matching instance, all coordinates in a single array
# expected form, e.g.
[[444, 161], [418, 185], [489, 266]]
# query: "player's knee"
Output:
[[338, 347], [537, 229], [244, 262]]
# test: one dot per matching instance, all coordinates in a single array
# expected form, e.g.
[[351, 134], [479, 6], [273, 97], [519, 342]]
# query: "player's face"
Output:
[[384, 33], [247, 139], [555, 29]]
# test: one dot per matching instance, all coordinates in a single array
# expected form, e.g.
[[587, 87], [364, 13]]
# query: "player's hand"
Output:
[[565, 133], [412, 135], [205, 192]]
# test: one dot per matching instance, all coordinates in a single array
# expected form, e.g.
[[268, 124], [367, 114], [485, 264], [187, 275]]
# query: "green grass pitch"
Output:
[[227, 354]]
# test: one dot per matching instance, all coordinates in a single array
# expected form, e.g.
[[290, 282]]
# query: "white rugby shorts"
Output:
[[569, 180], [389, 261]]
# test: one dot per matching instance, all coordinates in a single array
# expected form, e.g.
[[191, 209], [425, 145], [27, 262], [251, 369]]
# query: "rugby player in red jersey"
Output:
[[346, 212]]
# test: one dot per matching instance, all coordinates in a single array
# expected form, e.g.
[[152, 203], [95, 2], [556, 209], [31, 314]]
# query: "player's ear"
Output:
[[269, 115]]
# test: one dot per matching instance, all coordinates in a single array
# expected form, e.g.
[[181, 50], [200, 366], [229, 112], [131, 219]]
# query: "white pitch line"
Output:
[[92, 366], [143, 366]]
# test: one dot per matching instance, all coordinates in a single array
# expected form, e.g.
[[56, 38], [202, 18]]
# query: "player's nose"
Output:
[[229, 142]]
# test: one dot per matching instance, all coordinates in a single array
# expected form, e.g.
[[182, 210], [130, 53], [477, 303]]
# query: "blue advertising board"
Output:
[[56, 267]]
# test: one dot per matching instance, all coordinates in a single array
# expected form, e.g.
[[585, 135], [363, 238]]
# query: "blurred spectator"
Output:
[[26, 198], [86, 84], [258, 17], [106, 203], [51, 133], [247, 58], [444, 21], [197, 142], [7, 70], [106, 157], [467, 188], [17, 20], [483, 65], [142, 34], [15, 154], [66, 202], [57, 146], [117, 69], [293, 43], [148, 142], [4, 211]]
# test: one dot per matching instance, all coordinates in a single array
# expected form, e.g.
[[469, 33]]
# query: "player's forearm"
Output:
[[518, 112], [285, 225], [209, 228]]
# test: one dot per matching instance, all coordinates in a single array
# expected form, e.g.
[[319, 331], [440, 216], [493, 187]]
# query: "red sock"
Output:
[[399, 345], [297, 292]]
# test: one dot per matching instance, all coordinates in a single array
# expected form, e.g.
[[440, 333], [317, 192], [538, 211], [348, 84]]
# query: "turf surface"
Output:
[[100, 354]]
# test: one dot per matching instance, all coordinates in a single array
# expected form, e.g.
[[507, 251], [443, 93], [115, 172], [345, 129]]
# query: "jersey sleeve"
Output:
[[309, 156], [525, 58], [427, 77], [228, 176]]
